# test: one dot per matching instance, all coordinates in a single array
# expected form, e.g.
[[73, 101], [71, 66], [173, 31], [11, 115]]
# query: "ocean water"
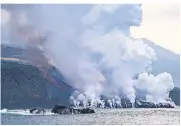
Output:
[[102, 116]]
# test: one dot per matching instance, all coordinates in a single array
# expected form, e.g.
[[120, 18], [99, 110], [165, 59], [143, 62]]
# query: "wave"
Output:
[[24, 112]]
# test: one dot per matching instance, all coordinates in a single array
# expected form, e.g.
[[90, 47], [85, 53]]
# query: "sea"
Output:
[[156, 116]]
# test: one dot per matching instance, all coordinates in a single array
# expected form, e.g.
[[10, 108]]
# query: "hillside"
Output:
[[23, 86]]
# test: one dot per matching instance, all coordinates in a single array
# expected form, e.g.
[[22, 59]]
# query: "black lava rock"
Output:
[[164, 105], [37, 111], [86, 111], [58, 109], [144, 104]]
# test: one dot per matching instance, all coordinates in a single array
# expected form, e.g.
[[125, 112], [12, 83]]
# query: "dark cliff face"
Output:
[[175, 95], [24, 86], [21, 84]]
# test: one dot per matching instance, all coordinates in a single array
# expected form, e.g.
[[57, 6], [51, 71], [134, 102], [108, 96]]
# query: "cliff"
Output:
[[23, 86], [175, 95]]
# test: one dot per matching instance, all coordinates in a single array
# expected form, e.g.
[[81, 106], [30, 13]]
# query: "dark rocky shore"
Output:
[[58, 109]]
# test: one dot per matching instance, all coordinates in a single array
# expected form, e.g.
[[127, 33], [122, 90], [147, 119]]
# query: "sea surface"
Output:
[[102, 116]]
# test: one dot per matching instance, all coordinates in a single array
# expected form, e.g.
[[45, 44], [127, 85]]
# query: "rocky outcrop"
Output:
[[37, 111], [164, 105], [144, 104], [58, 109]]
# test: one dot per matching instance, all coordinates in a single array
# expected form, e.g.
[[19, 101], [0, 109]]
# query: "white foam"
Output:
[[3, 110], [23, 112]]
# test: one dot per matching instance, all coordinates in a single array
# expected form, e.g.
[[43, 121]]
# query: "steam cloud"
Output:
[[91, 46]]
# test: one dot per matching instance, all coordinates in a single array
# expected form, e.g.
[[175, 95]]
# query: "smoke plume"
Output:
[[90, 45]]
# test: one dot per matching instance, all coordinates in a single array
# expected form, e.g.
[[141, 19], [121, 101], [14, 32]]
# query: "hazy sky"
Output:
[[161, 24]]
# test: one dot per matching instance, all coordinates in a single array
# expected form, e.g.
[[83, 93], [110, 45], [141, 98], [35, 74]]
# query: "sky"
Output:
[[161, 24]]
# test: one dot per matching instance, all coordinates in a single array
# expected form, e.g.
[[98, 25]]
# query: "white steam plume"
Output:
[[91, 46], [157, 87]]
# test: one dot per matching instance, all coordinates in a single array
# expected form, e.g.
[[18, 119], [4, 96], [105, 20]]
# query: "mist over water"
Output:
[[91, 46]]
